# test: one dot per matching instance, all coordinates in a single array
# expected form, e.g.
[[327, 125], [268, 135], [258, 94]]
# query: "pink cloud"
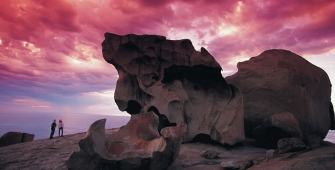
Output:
[[28, 20], [53, 47]]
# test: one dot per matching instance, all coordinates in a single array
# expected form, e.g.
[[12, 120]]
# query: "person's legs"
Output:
[[62, 130], [59, 132], [52, 134]]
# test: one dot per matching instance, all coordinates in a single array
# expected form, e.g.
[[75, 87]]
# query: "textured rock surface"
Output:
[[176, 80], [230, 165], [320, 158], [290, 144], [210, 154], [279, 81], [11, 138], [53, 153], [136, 145], [42, 153], [276, 127]]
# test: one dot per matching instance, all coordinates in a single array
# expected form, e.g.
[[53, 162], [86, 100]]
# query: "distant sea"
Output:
[[40, 124]]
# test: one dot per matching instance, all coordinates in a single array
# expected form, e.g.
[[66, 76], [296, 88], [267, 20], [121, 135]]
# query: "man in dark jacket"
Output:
[[53, 127]]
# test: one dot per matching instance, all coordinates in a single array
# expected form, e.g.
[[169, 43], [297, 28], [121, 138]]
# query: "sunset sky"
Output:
[[50, 51]]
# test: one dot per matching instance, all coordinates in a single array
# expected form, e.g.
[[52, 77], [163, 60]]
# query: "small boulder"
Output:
[[269, 154], [290, 145], [276, 127], [246, 165], [230, 165], [210, 154]]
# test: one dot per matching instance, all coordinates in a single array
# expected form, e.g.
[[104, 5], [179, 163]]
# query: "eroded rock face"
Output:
[[177, 81], [134, 146], [279, 81]]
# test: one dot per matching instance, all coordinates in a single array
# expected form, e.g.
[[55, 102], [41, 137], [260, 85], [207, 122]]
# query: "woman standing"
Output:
[[60, 127]]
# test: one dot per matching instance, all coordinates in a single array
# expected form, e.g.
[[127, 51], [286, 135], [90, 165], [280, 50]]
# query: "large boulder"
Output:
[[171, 78], [279, 81], [136, 145]]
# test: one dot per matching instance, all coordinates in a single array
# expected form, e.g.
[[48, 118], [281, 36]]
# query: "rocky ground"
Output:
[[53, 153]]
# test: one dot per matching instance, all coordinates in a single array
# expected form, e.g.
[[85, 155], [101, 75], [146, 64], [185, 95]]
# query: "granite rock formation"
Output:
[[11, 138], [136, 145], [279, 81], [175, 80]]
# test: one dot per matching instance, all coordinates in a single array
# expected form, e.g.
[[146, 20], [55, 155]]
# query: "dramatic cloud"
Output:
[[51, 50]]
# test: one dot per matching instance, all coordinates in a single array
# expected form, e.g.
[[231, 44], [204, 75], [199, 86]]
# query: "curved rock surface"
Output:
[[174, 79], [136, 145], [279, 81]]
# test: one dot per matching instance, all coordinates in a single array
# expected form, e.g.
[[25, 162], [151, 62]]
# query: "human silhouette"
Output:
[[53, 127]]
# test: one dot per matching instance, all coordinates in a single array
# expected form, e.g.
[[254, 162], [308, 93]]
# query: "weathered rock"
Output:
[[279, 81], [135, 146], [320, 158], [210, 154], [230, 165], [11, 138], [290, 144], [246, 165], [276, 127], [27, 137], [177, 81], [269, 154]]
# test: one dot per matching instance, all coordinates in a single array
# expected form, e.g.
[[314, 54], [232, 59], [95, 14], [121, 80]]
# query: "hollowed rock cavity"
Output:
[[134, 146], [184, 85]]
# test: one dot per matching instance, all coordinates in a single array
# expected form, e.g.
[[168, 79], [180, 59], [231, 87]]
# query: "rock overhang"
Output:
[[183, 84]]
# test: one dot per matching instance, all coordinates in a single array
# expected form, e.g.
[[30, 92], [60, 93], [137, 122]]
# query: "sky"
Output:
[[50, 51]]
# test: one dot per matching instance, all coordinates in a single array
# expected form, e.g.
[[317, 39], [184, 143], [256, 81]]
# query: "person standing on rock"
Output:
[[60, 127], [53, 127]]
